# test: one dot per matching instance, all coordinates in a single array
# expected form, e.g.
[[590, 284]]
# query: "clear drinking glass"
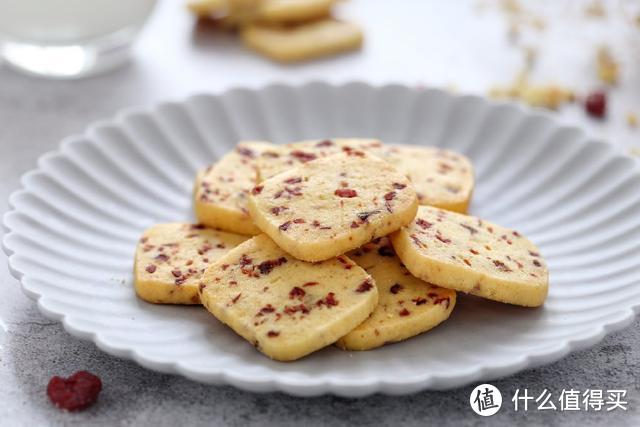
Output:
[[69, 38]]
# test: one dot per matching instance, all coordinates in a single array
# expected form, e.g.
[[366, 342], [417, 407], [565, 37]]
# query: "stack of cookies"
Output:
[[344, 241], [283, 30]]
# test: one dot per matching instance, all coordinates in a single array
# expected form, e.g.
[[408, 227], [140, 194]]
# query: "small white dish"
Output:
[[73, 228]]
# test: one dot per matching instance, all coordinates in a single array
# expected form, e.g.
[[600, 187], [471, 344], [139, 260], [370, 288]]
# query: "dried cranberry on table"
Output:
[[75, 393], [596, 104]]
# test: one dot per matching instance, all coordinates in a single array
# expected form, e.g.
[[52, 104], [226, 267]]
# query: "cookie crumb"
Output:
[[608, 69]]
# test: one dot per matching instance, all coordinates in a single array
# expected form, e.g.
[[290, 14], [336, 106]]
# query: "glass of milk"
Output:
[[69, 38]]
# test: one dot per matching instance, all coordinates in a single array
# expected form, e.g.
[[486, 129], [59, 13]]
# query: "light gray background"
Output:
[[434, 43]]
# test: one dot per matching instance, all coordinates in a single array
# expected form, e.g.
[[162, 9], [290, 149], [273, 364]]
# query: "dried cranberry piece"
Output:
[[303, 156], [364, 286], [424, 224], [396, 288], [346, 192], [386, 250], [75, 393], [296, 293], [596, 104]]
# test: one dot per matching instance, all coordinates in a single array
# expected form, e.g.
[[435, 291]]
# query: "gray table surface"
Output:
[[173, 61]]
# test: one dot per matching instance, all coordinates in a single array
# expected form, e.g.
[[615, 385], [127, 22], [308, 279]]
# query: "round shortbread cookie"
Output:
[[309, 40], [470, 255], [281, 158], [287, 308], [329, 206], [171, 258], [221, 190], [407, 306], [442, 178]]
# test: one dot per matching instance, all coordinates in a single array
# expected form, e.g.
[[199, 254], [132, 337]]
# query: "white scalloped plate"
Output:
[[73, 228]]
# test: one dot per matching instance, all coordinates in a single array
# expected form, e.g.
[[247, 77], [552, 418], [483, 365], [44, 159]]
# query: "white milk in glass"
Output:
[[37, 34]]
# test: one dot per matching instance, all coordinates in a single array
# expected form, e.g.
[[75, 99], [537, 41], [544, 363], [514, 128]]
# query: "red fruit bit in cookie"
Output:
[[419, 301], [404, 312], [470, 228], [296, 308], [501, 266], [302, 156], [317, 224], [442, 239], [364, 216], [346, 264], [273, 334], [265, 267], [293, 191], [162, 257], [444, 301], [351, 152], [296, 293], [310, 284], [386, 250], [176, 273], [390, 195], [266, 310], [398, 186], [150, 268], [535, 254], [180, 280], [537, 263], [330, 299], [396, 288], [244, 260], [299, 221], [473, 251], [206, 247], [257, 189], [75, 393], [325, 143], [424, 224], [365, 286], [293, 180], [596, 104], [285, 226], [245, 151], [236, 298], [416, 241], [276, 210], [354, 224], [346, 192]]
